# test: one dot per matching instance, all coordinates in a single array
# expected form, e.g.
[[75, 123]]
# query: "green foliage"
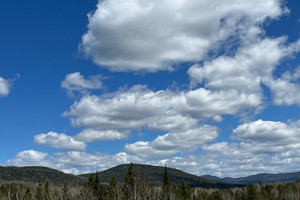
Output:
[[184, 191], [130, 184], [251, 192], [166, 188], [216, 195], [93, 185], [113, 190]]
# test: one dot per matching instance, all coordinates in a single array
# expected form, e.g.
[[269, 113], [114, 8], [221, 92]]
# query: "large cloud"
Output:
[[4, 87], [151, 35], [253, 64], [108, 115], [59, 140]]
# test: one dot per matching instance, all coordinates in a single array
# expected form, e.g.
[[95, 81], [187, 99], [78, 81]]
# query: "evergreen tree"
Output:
[[94, 186], [97, 186], [251, 192], [166, 193], [185, 191], [130, 184], [113, 189], [90, 182]]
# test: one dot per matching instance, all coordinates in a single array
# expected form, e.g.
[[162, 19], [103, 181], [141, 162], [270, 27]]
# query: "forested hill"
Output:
[[153, 175], [36, 174], [264, 178]]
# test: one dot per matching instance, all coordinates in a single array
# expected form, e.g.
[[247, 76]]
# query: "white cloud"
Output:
[[4, 87], [163, 110], [60, 141], [29, 157], [90, 135], [252, 65], [245, 70], [174, 142], [286, 89], [75, 82], [152, 35], [269, 136]]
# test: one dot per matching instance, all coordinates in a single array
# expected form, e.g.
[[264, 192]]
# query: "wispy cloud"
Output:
[[5, 86], [75, 82]]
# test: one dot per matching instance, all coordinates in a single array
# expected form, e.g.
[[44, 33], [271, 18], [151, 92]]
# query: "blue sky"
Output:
[[209, 87]]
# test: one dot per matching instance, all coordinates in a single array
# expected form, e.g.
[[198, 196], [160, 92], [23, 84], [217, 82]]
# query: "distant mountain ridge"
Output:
[[153, 175], [31, 175], [255, 179]]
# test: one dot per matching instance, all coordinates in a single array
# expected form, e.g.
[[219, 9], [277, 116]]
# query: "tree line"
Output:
[[133, 190]]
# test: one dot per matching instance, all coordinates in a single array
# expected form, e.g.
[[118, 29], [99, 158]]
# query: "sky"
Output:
[[208, 87]]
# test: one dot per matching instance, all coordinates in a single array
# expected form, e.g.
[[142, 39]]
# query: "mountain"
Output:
[[264, 178], [153, 175], [35, 174]]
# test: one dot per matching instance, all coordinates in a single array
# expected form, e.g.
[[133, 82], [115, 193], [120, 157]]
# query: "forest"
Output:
[[93, 189]]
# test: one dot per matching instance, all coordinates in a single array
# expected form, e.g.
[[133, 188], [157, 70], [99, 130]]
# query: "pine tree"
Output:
[[113, 190], [251, 192], [97, 186], [130, 184], [185, 191], [165, 195]]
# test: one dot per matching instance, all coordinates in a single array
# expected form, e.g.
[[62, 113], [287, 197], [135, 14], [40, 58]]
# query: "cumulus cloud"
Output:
[[60, 141], [285, 89], [90, 135], [153, 35], [174, 142], [4, 87], [163, 110], [269, 136], [75, 82], [253, 64], [29, 157], [245, 70]]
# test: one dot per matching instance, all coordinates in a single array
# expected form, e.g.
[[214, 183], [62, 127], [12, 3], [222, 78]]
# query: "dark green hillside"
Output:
[[36, 174], [153, 175]]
